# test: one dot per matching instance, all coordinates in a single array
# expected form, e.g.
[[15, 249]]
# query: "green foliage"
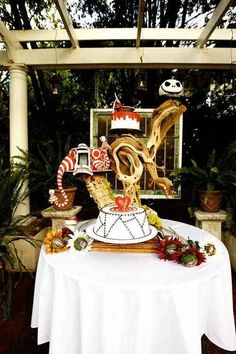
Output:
[[18, 13], [12, 193], [218, 173], [12, 178], [120, 13], [10, 260], [223, 99]]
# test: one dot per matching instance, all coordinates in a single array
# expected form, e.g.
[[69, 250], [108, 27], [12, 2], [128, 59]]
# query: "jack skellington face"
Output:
[[171, 88]]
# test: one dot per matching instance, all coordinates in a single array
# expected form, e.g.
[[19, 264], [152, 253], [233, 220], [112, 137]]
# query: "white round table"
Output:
[[126, 303]]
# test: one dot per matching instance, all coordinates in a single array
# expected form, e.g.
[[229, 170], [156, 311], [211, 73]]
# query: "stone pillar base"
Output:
[[58, 217], [211, 222]]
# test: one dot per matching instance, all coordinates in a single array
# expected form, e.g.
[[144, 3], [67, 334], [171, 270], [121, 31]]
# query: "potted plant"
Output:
[[215, 179]]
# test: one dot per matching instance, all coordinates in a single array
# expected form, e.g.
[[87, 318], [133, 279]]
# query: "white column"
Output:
[[19, 121]]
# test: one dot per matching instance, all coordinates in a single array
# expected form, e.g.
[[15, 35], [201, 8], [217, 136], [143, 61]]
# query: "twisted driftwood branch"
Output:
[[128, 154]]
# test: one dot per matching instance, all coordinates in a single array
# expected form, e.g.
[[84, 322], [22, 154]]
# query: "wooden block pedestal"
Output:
[[142, 247]]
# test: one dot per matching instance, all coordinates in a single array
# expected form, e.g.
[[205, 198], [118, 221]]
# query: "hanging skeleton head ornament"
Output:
[[171, 88]]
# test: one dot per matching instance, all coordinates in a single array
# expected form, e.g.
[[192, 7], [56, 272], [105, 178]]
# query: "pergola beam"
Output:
[[93, 58], [214, 20], [10, 41], [140, 21], [113, 34], [67, 22]]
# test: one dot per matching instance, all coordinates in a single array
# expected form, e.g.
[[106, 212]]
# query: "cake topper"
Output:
[[122, 204], [116, 104], [124, 117]]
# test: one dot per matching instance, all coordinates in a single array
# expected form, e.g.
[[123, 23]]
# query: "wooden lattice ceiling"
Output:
[[86, 51]]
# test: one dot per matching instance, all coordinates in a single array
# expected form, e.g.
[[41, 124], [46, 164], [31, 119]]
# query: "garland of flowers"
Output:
[[176, 248], [55, 241], [173, 249], [62, 240]]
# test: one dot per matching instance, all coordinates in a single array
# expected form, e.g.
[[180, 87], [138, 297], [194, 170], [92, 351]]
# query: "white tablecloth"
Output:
[[123, 303]]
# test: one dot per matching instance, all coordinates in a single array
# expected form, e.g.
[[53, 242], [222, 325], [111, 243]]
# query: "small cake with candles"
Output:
[[121, 223]]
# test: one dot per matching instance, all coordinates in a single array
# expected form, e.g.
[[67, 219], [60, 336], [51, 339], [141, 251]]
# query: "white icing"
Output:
[[118, 226], [126, 123]]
